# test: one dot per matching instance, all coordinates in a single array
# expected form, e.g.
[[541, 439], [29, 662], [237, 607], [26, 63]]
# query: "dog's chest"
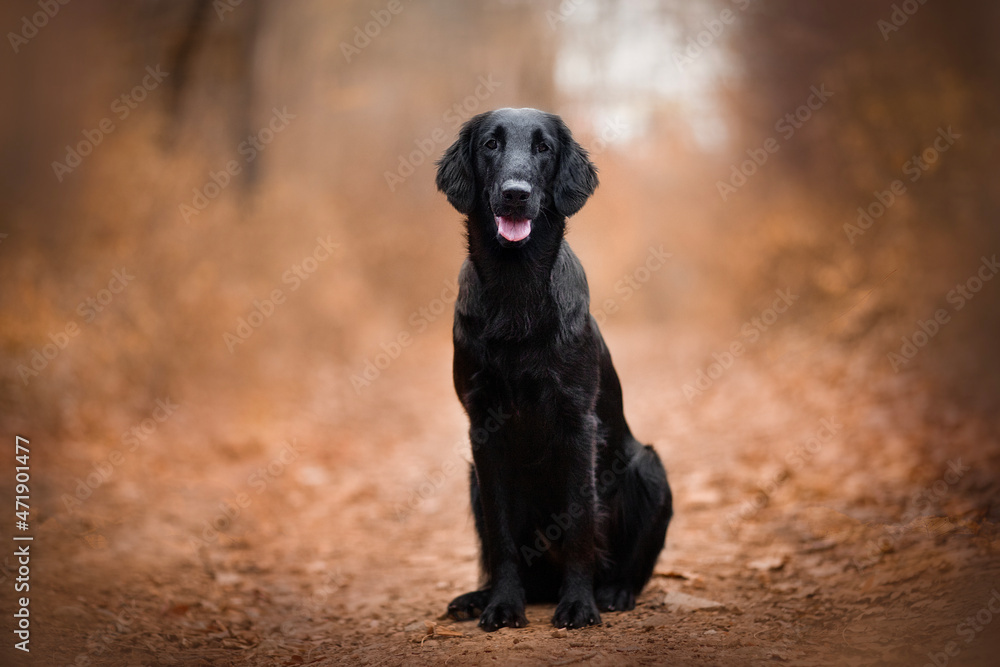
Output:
[[539, 388], [522, 383]]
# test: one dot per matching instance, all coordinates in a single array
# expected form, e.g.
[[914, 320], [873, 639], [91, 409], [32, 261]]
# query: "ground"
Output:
[[828, 511]]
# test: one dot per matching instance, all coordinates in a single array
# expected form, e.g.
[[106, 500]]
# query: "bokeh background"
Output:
[[337, 393]]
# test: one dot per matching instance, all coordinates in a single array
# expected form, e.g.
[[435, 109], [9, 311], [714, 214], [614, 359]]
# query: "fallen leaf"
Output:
[[772, 563], [677, 601]]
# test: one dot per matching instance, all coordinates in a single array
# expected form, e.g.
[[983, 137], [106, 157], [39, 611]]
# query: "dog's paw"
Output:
[[576, 613], [615, 598], [469, 605], [501, 614]]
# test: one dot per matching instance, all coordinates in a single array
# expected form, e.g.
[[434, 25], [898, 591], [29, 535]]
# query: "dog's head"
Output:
[[522, 166]]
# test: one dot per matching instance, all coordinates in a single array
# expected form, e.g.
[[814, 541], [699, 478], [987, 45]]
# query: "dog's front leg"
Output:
[[577, 607], [500, 557]]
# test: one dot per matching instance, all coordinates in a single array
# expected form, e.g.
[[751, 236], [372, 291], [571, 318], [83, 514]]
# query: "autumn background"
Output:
[[226, 286]]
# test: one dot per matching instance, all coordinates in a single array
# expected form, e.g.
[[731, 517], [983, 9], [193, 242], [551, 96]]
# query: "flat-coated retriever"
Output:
[[569, 506]]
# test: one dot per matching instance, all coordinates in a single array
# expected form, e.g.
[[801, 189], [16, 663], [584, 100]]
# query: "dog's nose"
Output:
[[515, 192]]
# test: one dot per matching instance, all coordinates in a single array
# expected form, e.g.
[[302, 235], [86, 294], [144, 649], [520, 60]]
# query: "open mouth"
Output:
[[513, 229]]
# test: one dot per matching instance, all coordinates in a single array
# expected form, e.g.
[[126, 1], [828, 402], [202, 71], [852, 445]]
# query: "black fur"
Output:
[[568, 505]]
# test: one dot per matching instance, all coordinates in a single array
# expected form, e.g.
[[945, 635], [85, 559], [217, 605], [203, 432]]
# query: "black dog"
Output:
[[569, 506]]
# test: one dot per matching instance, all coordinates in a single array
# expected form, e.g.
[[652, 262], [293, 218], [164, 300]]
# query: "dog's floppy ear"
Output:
[[456, 176], [577, 176]]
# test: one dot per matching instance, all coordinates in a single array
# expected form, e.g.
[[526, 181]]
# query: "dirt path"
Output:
[[823, 516]]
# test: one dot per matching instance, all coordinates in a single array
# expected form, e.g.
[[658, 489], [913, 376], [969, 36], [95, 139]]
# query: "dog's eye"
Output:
[[492, 144], [542, 147]]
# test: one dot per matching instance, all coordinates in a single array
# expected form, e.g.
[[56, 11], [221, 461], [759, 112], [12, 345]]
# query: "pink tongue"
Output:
[[513, 230]]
